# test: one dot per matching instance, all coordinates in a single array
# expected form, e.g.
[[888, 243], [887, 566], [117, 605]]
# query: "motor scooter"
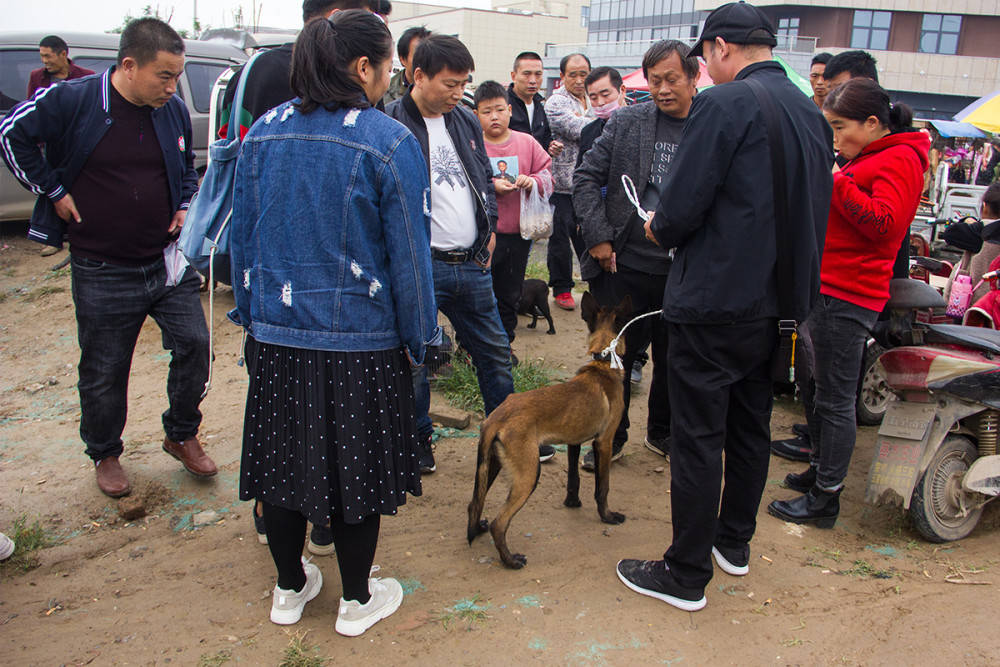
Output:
[[936, 452]]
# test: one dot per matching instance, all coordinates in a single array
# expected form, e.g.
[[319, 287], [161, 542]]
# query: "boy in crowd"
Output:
[[525, 166]]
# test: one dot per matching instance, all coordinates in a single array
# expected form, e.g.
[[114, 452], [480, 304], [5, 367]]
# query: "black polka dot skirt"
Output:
[[329, 433]]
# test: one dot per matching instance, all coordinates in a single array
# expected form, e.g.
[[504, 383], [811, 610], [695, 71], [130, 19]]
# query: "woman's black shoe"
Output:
[[801, 481], [816, 506]]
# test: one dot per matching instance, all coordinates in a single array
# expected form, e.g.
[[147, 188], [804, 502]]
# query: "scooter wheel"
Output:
[[874, 394], [938, 505]]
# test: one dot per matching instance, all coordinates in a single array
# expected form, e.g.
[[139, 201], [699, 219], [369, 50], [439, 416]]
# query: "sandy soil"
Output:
[[159, 590]]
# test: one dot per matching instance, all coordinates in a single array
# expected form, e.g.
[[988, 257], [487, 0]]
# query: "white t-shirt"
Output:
[[530, 108], [453, 211]]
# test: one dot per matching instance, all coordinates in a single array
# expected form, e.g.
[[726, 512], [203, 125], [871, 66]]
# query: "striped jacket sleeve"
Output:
[[31, 123]]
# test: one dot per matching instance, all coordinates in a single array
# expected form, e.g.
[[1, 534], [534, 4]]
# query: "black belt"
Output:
[[457, 256]]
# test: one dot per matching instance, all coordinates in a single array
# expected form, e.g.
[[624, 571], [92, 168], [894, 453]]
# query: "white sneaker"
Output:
[[287, 605], [354, 618], [6, 547]]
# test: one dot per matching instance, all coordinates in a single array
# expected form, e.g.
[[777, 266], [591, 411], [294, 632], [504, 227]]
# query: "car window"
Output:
[[95, 64], [201, 77], [15, 68]]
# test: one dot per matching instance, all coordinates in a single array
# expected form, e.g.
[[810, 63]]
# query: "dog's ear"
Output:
[[588, 310], [623, 312]]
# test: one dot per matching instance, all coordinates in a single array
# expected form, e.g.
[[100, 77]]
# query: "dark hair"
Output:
[[662, 50], [325, 50], [382, 7], [438, 52], [821, 58], [410, 34], [143, 38], [489, 90], [314, 9], [991, 199], [526, 55], [860, 98], [565, 61], [599, 73], [856, 63], [54, 42]]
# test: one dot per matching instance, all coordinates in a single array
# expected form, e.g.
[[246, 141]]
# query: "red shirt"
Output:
[[875, 197], [40, 78], [520, 154]]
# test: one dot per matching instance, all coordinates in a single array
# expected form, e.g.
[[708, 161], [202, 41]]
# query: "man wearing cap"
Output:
[[724, 297]]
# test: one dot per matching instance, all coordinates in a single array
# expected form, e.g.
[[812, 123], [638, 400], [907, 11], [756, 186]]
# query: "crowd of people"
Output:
[[725, 209]]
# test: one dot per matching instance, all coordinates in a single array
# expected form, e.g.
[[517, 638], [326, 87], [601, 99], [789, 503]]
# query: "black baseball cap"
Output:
[[738, 23]]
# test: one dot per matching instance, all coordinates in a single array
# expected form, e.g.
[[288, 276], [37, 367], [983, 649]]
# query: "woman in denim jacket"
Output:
[[332, 268]]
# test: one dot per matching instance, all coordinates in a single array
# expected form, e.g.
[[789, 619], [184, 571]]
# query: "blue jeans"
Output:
[[464, 293], [112, 303], [838, 330]]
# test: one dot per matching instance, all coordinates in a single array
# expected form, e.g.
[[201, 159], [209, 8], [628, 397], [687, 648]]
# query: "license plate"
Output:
[[907, 420]]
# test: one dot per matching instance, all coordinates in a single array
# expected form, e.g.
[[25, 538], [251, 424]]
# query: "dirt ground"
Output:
[[160, 590]]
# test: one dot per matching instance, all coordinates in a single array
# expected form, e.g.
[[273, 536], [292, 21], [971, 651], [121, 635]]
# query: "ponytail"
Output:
[[900, 117]]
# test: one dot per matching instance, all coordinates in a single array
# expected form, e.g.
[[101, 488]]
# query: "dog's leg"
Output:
[[547, 313], [485, 458], [572, 476], [602, 457], [523, 482], [534, 317]]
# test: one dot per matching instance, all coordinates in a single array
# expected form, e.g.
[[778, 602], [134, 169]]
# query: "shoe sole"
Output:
[[193, 472], [116, 494], [292, 616], [542, 458], [320, 549], [728, 567], [680, 603], [262, 538], [614, 457], [655, 450], [358, 628], [804, 458], [819, 523], [8, 551]]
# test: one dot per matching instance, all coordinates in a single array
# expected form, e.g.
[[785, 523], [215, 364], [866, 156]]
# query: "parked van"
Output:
[[205, 61]]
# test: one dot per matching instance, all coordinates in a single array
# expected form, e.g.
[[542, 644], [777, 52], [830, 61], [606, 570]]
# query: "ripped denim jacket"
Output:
[[331, 233]]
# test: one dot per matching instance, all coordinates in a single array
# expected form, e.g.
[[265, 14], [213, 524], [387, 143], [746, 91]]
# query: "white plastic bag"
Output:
[[536, 211]]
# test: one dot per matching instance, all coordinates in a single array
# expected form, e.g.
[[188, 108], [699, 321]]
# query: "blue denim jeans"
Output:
[[464, 293], [838, 330], [112, 303]]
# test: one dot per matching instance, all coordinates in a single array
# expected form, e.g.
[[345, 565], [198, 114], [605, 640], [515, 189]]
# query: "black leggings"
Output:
[[355, 544]]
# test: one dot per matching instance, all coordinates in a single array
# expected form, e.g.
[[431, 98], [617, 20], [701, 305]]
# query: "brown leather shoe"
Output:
[[111, 479], [190, 453]]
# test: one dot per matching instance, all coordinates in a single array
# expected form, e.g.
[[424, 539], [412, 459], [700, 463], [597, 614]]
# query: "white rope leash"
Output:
[[616, 361], [633, 196]]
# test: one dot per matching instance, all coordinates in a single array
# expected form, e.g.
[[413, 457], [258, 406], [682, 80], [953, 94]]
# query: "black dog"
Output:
[[534, 301]]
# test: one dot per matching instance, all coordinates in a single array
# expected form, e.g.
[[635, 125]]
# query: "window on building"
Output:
[[871, 30], [789, 27], [584, 17], [939, 33]]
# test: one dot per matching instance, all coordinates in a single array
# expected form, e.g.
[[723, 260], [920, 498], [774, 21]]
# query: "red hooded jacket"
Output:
[[875, 197]]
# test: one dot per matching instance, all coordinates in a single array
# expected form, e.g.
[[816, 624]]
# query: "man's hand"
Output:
[[605, 256], [649, 231], [177, 223], [503, 186], [524, 182], [555, 148], [66, 209]]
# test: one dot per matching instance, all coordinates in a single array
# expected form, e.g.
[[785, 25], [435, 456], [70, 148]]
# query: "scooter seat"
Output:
[[906, 294], [974, 337]]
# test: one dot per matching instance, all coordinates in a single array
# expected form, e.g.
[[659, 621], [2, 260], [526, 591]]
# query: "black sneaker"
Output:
[[732, 560], [793, 449], [617, 451], [425, 456], [653, 578], [635, 375], [801, 430], [320, 541], [659, 446], [545, 453]]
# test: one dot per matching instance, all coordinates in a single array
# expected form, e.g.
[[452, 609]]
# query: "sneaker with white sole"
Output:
[[6, 547], [287, 605], [732, 561], [353, 618], [654, 578], [320, 541]]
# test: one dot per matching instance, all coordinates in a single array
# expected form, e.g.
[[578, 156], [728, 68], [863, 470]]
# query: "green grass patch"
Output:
[[215, 659], [537, 269], [28, 538], [863, 568], [468, 611], [64, 272], [300, 654], [461, 388], [37, 294]]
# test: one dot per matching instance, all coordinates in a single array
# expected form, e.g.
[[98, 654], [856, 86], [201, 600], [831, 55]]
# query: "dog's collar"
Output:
[[602, 356]]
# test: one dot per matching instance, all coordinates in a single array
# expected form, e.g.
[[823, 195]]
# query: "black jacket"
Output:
[[588, 136], [718, 208], [539, 127], [467, 135]]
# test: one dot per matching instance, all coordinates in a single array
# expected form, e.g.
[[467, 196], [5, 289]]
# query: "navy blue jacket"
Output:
[[70, 119]]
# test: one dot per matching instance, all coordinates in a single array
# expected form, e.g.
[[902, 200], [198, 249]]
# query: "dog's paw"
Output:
[[477, 530], [613, 518], [572, 501], [530, 326], [551, 332], [517, 561]]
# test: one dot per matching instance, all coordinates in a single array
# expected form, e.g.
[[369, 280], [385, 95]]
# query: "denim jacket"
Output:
[[331, 233]]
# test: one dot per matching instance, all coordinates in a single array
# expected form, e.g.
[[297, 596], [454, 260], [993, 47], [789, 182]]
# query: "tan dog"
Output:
[[586, 407]]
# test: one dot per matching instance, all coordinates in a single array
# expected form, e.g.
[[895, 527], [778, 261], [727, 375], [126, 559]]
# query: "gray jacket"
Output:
[[625, 147], [567, 118]]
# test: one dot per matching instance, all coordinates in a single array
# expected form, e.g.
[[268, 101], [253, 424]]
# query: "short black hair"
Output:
[[410, 34], [382, 7], [526, 55], [856, 63], [438, 52], [54, 42], [143, 38], [313, 9], [662, 50], [565, 61], [599, 73], [821, 58], [489, 90]]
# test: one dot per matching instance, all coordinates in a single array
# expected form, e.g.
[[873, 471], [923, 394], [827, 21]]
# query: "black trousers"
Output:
[[510, 260], [720, 400], [646, 291], [563, 244]]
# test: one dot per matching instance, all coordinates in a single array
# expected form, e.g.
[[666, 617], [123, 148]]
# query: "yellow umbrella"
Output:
[[984, 113]]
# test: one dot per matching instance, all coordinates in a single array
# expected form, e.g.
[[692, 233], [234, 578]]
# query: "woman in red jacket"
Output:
[[875, 196]]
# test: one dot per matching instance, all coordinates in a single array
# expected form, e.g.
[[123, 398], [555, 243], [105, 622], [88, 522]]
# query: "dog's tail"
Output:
[[485, 457]]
